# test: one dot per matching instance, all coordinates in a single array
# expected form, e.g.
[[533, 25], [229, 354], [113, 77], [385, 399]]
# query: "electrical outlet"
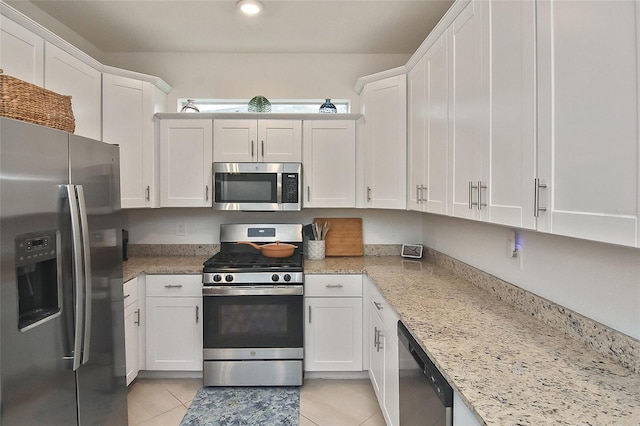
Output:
[[180, 228]]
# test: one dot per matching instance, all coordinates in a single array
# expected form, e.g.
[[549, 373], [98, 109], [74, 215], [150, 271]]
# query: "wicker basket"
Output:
[[27, 102]]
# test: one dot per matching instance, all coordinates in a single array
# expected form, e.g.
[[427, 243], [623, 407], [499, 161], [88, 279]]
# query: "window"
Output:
[[277, 105]]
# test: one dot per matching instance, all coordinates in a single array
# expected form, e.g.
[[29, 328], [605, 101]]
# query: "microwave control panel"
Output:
[[290, 188]]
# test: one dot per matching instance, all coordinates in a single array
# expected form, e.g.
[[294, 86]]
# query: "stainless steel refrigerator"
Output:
[[61, 298]]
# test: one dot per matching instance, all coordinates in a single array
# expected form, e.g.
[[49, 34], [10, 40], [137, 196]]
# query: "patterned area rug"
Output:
[[265, 406]]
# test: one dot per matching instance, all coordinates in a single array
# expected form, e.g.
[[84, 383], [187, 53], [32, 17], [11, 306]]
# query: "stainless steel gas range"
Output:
[[253, 309]]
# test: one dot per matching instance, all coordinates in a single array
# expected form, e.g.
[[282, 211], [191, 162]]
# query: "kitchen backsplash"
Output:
[[173, 249], [211, 249]]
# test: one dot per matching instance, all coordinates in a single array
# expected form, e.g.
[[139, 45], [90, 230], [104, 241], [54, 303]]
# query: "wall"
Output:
[[242, 76], [202, 225], [598, 280]]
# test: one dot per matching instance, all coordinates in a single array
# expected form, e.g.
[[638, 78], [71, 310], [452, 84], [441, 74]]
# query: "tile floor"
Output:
[[163, 402]]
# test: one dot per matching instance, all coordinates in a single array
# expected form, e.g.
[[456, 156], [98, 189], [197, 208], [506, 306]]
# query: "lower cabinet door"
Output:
[[174, 333], [376, 355], [131, 325], [333, 334], [391, 405]]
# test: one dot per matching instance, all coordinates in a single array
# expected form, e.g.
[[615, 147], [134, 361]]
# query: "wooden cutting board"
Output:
[[344, 238]]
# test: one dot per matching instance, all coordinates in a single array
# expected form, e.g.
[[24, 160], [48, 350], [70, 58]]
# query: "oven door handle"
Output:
[[294, 290]]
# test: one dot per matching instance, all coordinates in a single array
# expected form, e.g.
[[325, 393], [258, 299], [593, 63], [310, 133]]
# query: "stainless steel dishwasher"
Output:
[[426, 399]]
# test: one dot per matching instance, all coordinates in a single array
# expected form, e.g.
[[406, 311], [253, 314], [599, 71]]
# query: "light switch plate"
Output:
[[413, 251]]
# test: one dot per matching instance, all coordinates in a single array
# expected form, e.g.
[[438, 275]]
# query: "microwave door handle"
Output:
[[86, 255], [279, 188]]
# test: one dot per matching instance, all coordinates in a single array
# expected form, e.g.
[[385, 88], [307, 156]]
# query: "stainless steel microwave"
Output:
[[257, 186]]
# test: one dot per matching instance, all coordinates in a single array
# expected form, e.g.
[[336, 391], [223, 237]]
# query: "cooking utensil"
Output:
[[273, 249]]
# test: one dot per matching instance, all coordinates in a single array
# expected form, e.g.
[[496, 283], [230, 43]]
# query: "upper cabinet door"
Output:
[[508, 158], [127, 120], [416, 138], [588, 119], [436, 64], [234, 141], [279, 141], [329, 163], [185, 163], [270, 141], [21, 52], [67, 75], [384, 104], [467, 113]]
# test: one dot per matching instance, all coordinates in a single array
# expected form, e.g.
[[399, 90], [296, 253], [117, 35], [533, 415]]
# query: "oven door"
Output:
[[253, 322]]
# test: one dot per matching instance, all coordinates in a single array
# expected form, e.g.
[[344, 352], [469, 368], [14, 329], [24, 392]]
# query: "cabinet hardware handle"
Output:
[[148, 193], [378, 306], [375, 337], [480, 188], [418, 194], [471, 188], [368, 193], [536, 197], [173, 286], [334, 286], [252, 149], [262, 144], [423, 188], [380, 336], [126, 295], [138, 320], [309, 314], [197, 314], [308, 193], [206, 189]]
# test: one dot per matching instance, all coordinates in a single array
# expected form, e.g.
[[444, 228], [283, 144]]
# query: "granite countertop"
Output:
[[510, 368], [162, 265]]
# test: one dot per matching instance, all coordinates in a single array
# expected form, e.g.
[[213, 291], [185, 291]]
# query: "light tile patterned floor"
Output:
[[163, 402]]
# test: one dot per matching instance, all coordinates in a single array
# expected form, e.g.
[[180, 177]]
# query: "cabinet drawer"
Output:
[[333, 285], [130, 292], [174, 285]]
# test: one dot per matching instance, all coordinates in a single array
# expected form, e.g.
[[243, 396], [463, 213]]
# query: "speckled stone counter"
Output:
[[162, 265], [509, 367]]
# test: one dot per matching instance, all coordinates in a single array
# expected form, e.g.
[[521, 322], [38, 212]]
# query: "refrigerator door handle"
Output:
[[78, 281], [86, 256]]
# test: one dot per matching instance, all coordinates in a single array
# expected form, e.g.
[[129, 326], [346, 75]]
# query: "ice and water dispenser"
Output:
[[39, 278]]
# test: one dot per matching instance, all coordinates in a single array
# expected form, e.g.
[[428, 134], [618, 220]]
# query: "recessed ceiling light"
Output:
[[250, 7]]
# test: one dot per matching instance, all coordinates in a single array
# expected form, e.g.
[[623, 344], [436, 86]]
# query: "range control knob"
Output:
[[287, 277], [275, 277], [228, 278], [217, 278]]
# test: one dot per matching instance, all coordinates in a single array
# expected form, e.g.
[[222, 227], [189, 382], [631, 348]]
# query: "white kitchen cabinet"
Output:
[[491, 113], [67, 75], [462, 415], [21, 52], [185, 163], [269, 141], [131, 328], [588, 120], [329, 163], [333, 323], [428, 130], [467, 113], [509, 154], [383, 353], [128, 106], [384, 129], [173, 322]]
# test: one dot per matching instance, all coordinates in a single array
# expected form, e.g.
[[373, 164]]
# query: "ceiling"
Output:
[[289, 26]]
